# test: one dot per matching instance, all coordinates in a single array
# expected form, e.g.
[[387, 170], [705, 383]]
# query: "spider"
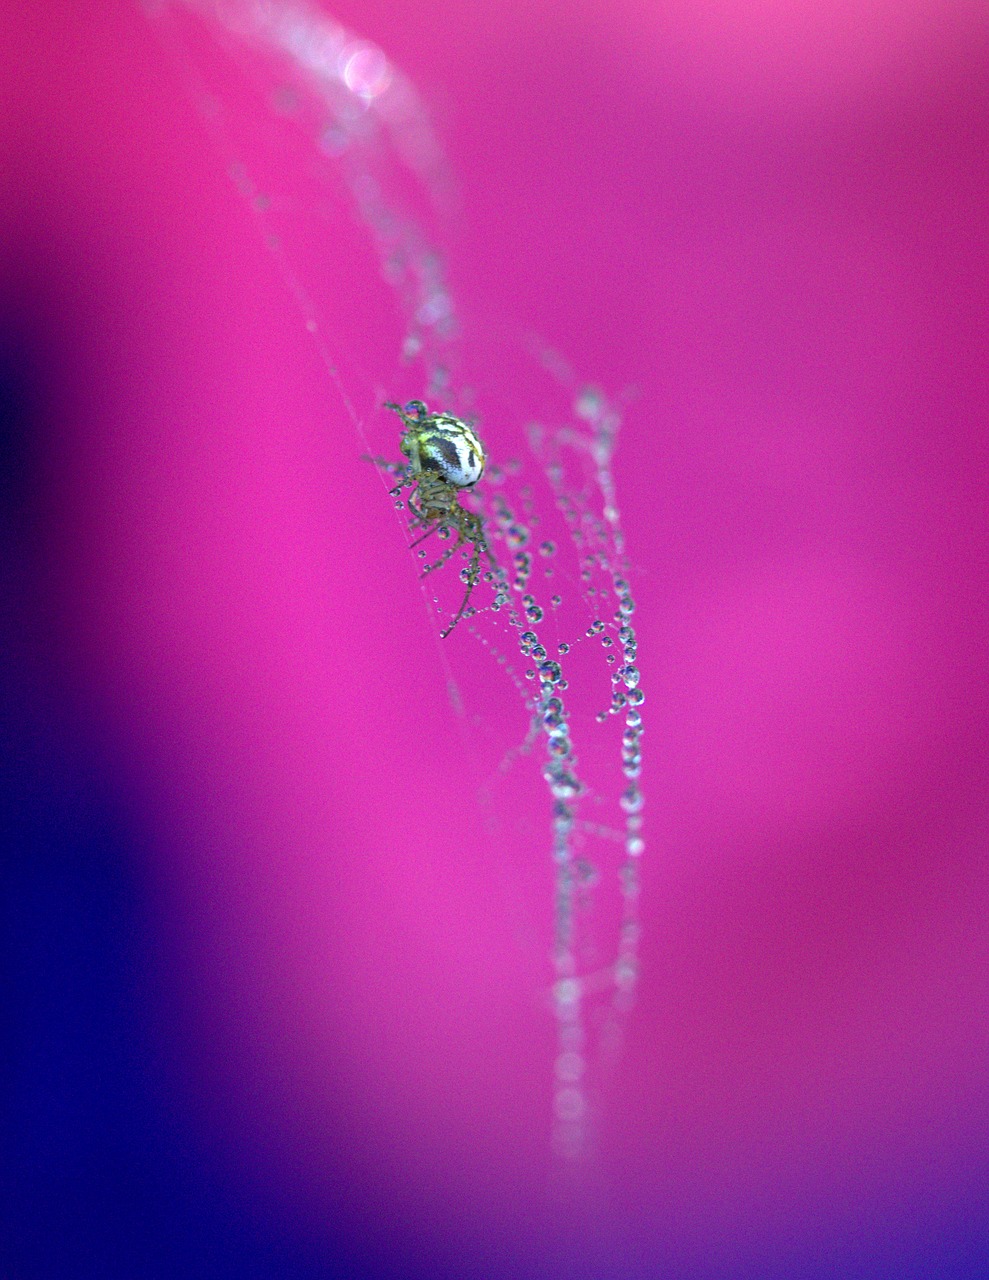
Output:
[[445, 457]]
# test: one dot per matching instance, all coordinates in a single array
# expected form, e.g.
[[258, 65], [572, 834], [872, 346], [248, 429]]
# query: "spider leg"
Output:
[[423, 536], [419, 518], [473, 570]]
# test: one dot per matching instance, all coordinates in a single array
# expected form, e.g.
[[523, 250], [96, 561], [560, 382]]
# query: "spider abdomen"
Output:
[[448, 447]]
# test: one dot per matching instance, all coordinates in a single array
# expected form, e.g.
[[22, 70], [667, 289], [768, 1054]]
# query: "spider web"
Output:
[[554, 613]]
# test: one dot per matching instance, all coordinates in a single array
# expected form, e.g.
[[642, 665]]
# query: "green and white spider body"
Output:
[[442, 444], [446, 458]]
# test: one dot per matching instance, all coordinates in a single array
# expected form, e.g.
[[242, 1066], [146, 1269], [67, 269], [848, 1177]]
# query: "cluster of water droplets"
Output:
[[575, 458], [364, 117]]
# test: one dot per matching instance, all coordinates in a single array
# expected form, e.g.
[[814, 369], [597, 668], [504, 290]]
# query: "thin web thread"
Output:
[[372, 118]]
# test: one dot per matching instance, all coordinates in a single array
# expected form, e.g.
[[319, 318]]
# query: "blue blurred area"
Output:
[[105, 1176]]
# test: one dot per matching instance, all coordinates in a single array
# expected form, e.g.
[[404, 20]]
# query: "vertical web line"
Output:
[[372, 118]]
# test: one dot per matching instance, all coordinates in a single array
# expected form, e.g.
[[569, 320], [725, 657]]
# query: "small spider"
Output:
[[445, 457]]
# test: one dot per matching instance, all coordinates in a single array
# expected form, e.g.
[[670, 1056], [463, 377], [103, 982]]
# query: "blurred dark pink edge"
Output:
[[802, 306]]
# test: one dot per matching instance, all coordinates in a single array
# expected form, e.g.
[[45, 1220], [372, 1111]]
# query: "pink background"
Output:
[[772, 222]]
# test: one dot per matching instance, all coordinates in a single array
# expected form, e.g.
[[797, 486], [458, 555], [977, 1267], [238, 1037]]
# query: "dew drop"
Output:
[[631, 800], [586, 872], [569, 1067], [588, 404]]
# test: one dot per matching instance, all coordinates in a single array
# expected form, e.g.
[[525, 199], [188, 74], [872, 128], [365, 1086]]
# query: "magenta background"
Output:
[[774, 225]]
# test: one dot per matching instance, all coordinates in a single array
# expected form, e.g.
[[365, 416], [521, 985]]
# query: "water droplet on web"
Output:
[[566, 993], [569, 1104], [569, 1066], [626, 972], [586, 872], [631, 800], [588, 403], [567, 512]]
